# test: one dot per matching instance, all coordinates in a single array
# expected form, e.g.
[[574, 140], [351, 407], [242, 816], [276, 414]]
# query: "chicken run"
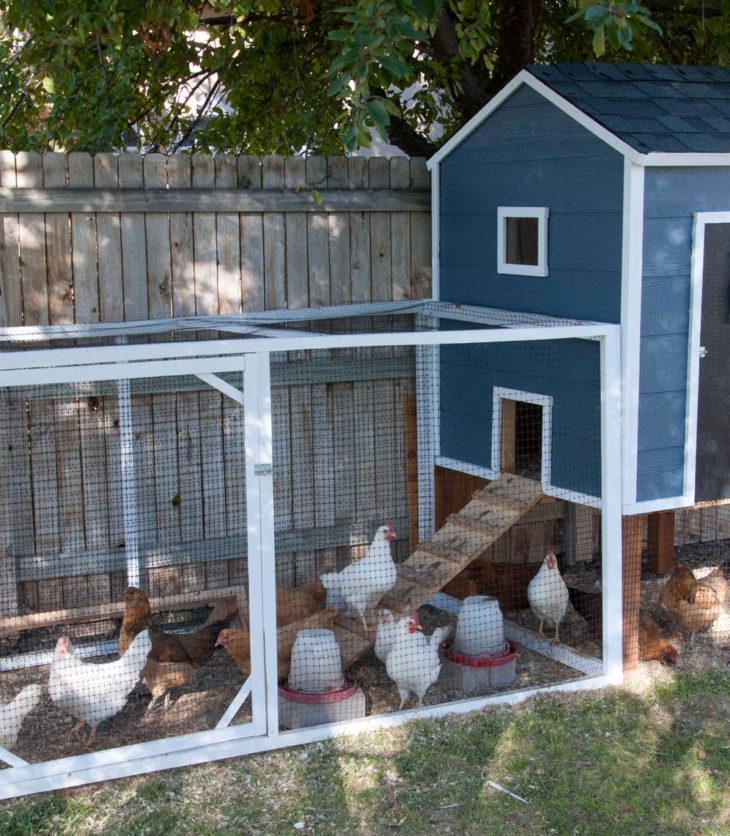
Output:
[[229, 534]]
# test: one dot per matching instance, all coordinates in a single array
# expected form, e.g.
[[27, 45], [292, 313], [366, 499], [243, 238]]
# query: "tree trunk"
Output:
[[517, 39]]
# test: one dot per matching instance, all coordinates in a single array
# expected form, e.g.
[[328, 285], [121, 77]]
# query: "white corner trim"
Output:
[[435, 234], [477, 119], [504, 267], [525, 77], [632, 253], [611, 509]]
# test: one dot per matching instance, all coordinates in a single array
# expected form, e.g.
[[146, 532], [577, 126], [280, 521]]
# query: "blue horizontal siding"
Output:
[[665, 409], [663, 365], [566, 370], [665, 305], [529, 153], [660, 473], [671, 198]]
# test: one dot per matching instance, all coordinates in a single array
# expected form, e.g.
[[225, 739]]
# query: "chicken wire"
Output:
[[124, 558], [458, 469], [516, 476], [676, 595]]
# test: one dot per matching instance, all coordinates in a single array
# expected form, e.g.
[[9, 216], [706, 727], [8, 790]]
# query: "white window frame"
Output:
[[541, 214]]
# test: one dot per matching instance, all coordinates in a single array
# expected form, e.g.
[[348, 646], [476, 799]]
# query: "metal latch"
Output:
[[703, 352], [263, 469]]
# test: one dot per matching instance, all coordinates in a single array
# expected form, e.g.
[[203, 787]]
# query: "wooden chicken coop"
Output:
[[224, 464]]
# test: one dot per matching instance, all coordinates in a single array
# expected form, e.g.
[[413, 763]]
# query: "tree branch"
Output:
[[403, 136]]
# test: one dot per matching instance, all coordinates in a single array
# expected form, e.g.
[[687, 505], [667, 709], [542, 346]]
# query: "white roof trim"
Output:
[[526, 77], [655, 158], [681, 158]]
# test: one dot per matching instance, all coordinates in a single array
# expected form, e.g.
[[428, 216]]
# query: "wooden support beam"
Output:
[[660, 541], [632, 537], [509, 436], [190, 600], [15, 200]]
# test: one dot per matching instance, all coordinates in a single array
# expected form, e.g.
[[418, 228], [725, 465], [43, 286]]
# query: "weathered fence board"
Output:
[[112, 238]]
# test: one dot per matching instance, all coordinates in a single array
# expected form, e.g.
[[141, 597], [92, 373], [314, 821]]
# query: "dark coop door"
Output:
[[713, 421]]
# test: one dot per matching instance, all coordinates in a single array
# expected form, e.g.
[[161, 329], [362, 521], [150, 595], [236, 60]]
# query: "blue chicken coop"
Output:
[[593, 192], [602, 192]]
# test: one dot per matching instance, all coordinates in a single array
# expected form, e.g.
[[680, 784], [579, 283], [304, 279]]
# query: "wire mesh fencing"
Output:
[[124, 558], [435, 531], [680, 618]]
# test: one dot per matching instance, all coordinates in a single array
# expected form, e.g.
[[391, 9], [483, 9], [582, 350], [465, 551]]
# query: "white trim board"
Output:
[[500, 393], [488, 473], [631, 281], [435, 233], [649, 506], [114, 362]]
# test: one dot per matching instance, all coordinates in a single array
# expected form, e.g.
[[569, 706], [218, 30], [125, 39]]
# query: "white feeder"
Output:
[[316, 665], [480, 628]]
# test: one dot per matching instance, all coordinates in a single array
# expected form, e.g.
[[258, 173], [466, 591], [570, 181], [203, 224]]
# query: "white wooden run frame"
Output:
[[250, 356]]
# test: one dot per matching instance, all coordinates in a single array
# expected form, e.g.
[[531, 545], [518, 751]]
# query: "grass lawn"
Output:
[[607, 762]]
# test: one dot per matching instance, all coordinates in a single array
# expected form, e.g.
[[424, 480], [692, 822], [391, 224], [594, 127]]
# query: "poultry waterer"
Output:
[[479, 657], [316, 691]]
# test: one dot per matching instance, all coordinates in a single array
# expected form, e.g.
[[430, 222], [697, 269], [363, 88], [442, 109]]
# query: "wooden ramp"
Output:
[[463, 538]]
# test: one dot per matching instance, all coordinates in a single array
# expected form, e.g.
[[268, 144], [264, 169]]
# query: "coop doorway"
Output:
[[711, 343], [521, 424]]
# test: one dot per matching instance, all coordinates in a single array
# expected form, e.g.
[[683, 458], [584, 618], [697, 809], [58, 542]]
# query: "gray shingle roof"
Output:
[[651, 107]]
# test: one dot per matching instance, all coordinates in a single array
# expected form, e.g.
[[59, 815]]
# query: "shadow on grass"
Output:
[[608, 762]]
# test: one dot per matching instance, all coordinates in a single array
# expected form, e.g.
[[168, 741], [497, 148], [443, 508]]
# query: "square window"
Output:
[[522, 240]]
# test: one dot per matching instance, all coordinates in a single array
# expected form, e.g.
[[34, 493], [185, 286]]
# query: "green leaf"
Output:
[[625, 38], [394, 66], [339, 34], [48, 85], [599, 42]]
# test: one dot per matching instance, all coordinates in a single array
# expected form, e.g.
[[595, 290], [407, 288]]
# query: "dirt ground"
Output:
[[202, 701]]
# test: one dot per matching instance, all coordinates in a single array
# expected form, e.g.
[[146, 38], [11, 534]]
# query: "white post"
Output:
[[611, 540], [428, 430], [261, 546], [129, 489]]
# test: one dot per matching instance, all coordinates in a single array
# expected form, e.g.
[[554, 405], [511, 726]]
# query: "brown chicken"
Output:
[[653, 646], [237, 643], [694, 604], [294, 602], [298, 602], [173, 658]]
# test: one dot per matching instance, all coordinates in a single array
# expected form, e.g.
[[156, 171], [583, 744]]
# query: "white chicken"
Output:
[[413, 661], [548, 594], [95, 692], [385, 635], [363, 583], [13, 713]]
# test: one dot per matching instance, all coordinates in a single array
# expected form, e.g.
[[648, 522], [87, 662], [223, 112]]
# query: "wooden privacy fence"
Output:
[[123, 238], [106, 238], [111, 238]]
